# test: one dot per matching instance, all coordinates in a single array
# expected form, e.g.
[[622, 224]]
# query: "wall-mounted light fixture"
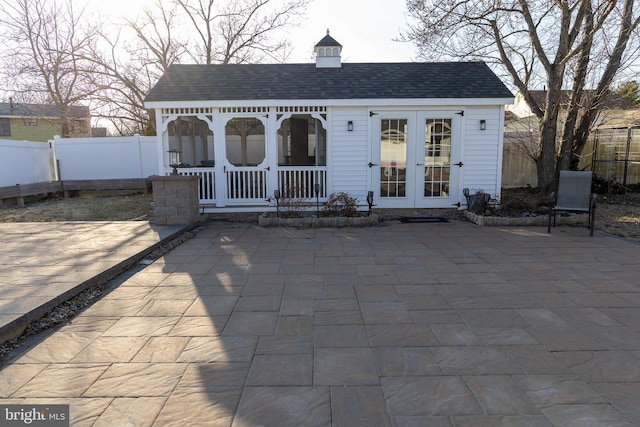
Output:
[[483, 124], [350, 126]]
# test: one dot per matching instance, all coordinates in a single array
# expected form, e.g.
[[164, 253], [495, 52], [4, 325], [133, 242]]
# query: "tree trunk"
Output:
[[547, 155], [568, 157], [546, 161]]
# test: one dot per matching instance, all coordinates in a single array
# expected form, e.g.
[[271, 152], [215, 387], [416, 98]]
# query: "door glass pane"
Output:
[[393, 157], [245, 141], [437, 157]]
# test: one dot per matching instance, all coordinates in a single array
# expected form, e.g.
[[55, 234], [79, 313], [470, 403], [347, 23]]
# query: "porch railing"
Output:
[[249, 186], [206, 183], [246, 186], [298, 182]]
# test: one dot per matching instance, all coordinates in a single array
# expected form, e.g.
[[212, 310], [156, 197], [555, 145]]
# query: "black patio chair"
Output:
[[574, 195]]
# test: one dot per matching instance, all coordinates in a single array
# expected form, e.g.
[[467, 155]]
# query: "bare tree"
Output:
[[43, 44], [240, 31], [129, 61], [59, 55], [562, 44]]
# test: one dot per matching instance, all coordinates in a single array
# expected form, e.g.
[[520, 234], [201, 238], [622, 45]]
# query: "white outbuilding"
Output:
[[415, 134]]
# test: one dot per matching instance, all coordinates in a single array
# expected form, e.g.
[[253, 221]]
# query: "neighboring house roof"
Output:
[[611, 101], [410, 80], [18, 109], [615, 111], [509, 116]]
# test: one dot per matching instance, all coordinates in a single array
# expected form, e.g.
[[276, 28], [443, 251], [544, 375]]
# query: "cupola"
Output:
[[327, 52]]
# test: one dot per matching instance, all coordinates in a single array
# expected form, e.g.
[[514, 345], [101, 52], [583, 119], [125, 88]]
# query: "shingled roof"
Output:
[[408, 80], [328, 41]]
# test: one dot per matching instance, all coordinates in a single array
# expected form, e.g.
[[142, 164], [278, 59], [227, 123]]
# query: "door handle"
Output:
[[372, 164], [419, 164], [459, 164]]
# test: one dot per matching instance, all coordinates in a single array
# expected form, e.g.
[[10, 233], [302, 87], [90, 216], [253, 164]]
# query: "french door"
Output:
[[415, 159]]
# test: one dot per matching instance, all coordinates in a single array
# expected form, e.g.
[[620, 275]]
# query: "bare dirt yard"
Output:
[[93, 208], [620, 216], [615, 214]]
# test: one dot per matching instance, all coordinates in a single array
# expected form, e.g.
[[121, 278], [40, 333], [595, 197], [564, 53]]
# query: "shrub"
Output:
[[340, 204]]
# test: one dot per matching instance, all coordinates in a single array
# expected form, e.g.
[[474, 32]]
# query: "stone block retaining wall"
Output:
[[541, 220], [322, 222], [175, 200]]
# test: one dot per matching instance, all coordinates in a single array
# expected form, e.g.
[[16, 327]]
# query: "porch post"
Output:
[[271, 151], [220, 155], [160, 138]]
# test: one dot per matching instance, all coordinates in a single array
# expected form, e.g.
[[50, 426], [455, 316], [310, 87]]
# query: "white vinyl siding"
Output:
[[349, 152], [482, 150]]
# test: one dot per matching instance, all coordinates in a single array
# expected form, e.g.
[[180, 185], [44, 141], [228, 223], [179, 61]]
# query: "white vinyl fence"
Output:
[[106, 158], [23, 162]]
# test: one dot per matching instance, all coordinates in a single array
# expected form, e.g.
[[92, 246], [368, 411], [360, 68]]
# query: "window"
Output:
[[302, 141], [437, 157], [5, 127], [393, 157], [438, 141]]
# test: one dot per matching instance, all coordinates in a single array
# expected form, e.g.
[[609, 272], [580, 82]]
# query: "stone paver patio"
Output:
[[423, 324], [43, 264]]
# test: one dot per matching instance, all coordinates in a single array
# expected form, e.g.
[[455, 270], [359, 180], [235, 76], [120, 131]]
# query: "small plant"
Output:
[[340, 204], [521, 202], [290, 205]]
